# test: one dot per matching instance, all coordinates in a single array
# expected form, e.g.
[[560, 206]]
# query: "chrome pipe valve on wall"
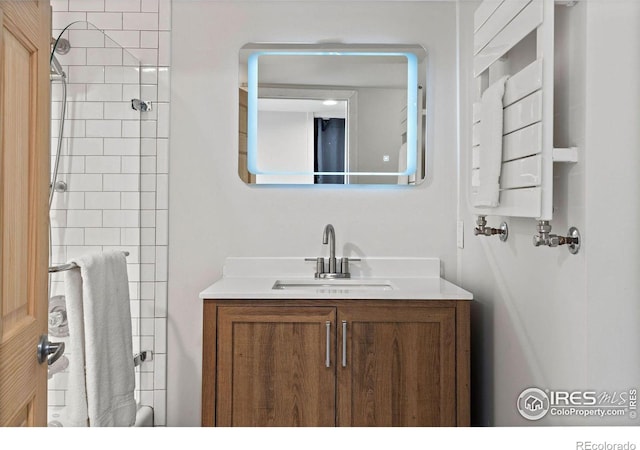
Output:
[[483, 230], [544, 237]]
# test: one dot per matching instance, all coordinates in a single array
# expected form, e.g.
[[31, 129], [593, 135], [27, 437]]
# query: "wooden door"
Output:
[[272, 366], [243, 168], [25, 33], [396, 366]]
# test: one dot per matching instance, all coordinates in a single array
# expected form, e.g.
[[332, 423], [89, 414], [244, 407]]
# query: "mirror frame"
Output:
[[410, 52]]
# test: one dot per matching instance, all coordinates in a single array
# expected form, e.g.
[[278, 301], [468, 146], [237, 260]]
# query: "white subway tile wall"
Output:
[[115, 163]]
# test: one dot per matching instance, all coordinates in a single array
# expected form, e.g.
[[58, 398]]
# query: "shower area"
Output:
[[97, 182]]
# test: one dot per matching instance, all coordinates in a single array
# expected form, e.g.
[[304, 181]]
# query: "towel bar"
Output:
[[69, 266]]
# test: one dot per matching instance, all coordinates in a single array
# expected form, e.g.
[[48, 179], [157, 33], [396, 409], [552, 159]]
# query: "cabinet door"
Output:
[[397, 366], [272, 366]]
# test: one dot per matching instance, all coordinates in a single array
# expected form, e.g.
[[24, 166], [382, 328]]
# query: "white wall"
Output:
[[543, 317], [612, 205], [214, 215], [380, 113], [285, 144]]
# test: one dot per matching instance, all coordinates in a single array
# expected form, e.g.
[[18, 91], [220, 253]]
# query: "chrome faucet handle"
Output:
[[344, 267], [319, 265]]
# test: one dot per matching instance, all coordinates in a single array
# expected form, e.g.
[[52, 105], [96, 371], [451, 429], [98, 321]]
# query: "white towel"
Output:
[[101, 370], [491, 127]]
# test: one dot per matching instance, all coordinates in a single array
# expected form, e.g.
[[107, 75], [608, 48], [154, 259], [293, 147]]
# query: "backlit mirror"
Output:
[[332, 114]]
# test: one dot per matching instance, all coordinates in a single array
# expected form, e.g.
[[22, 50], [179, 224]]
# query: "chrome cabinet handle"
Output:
[[49, 351], [327, 361], [344, 343]]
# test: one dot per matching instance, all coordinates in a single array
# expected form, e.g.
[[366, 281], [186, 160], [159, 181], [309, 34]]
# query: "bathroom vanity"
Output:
[[387, 347]]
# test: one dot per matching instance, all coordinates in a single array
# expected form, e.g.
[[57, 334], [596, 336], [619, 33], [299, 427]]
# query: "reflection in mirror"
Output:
[[313, 114]]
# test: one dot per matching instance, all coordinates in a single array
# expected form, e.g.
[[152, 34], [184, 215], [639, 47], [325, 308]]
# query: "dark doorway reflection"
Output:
[[329, 150]]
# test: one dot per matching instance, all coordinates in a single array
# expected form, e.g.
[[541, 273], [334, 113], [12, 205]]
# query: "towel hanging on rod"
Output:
[[491, 131], [64, 267]]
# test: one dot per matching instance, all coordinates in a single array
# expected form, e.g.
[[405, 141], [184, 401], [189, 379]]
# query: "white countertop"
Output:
[[393, 279]]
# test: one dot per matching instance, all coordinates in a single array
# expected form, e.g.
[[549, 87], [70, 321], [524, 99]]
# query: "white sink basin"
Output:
[[373, 278], [332, 285]]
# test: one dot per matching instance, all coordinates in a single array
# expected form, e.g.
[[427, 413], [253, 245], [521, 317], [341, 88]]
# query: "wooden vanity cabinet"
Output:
[[335, 362], [272, 368]]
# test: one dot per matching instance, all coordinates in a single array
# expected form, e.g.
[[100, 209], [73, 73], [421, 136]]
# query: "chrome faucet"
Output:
[[329, 237]]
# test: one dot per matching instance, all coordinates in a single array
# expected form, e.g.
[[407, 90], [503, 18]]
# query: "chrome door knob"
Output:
[[49, 351]]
